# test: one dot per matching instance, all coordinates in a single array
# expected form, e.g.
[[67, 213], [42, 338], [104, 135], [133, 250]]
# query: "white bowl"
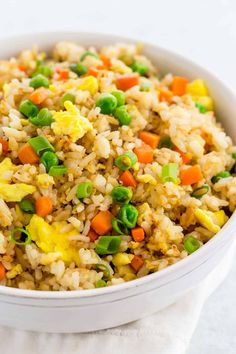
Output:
[[89, 310]]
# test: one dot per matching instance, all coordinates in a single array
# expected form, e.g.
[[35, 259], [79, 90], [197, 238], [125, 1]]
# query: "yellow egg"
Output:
[[44, 180], [49, 238], [197, 88], [146, 178], [205, 218], [16, 270], [89, 83], [121, 259], [15, 192], [206, 101], [6, 170], [70, 122]]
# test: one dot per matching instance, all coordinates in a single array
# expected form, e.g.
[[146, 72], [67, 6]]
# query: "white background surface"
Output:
[[203, 30]]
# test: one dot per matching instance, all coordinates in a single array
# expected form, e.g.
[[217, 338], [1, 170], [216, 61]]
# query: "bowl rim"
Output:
[[217, 240]]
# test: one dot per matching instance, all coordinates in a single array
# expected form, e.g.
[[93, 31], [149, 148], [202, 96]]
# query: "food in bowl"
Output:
[[108, 170]]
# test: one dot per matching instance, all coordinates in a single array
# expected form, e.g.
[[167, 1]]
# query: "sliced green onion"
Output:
[[145, 86], [39, 81], [119, 226], [84, 190], [165, 142], [49, 159], [67, 97], [107, 103], [126, 160], [122, 115], [120, 97], [40, 145], [200, 192], [108, 245], [43, 118], [88, 54], [201, 107], [140, 68], [121, 195], [170, 173], [128, 214], [20, 236], [191, 244], [57, 170], [223, 174], [100, 283], [106, 271], [27, 206], [78, 69], [28, 109]]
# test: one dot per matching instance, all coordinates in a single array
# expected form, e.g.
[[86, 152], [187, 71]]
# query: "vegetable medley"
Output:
[[108, 171]]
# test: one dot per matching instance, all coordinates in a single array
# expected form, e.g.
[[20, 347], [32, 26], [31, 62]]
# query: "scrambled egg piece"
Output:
[[211, 221], [16, 270], [44, 180], [121, 259], [6, 170], [15, 192], [50, 239], [146, 178], [199, 92], [89, 83], [70, 122]]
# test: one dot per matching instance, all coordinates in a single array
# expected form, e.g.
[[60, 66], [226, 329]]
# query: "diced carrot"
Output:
[[128, 179], [191, 175], [4, 144], [92, 235], [2, 271], [127, 81], [27, 155], [106, 61], [92, 72], [136, 263], [165, 95], [101, 223], [39, 95], [63, 74], [22, 67], [149, 139], [43, 206], [144, 153], [138, 234], [178, 85], [185, 157]]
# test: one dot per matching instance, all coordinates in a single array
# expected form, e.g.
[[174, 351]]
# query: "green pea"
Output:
[[129, 215], [28, 109], [201, 107], [121, 195], [120, 97], [107, 102], [49, 159], [39, 81], [122, 115], [191, 244], [43, 70], [43, 118], [88, 54], [78, 69], [223, 174], [27, 206], [140, 68], [84, 190], [67, 97]]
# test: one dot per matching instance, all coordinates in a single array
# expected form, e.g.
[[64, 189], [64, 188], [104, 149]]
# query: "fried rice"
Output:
[[130, 171]]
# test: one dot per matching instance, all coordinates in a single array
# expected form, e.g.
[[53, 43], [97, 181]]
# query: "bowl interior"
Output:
[[166, 61]]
